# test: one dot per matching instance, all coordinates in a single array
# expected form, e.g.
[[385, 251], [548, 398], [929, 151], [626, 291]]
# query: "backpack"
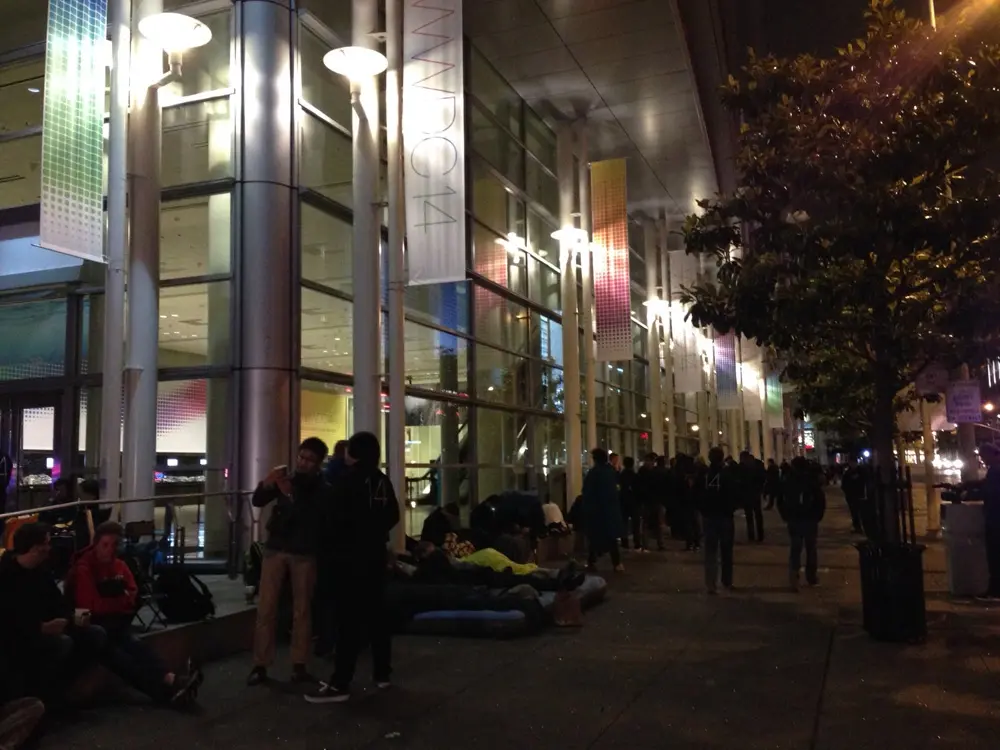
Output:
[[183, 597]]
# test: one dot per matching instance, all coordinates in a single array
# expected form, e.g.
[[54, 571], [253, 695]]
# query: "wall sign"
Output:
[[434, 140], [963, 402]]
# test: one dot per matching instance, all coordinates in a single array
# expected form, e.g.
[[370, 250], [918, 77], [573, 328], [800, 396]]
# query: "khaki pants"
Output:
[[302, 571]]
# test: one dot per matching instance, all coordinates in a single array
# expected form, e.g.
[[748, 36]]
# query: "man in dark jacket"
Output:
[[802, 505], [853, 483], [652, 497], [300, 499], [772, 483], [718, 496], [602, 511], [364, 511], [990, 491], [752, 479], [53, 643]]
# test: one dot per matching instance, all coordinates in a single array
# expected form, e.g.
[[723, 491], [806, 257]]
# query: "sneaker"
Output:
[[327, 694], [185, 689], [383, 684], [619, 568], [257, 676], [300, 674]]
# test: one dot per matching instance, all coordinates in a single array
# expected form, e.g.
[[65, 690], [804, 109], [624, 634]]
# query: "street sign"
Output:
[[963, 402]]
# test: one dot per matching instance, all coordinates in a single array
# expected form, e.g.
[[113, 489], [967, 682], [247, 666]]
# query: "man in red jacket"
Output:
[[103, 585]]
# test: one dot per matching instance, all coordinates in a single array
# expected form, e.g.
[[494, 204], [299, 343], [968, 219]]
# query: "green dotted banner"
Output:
[[72, 220]]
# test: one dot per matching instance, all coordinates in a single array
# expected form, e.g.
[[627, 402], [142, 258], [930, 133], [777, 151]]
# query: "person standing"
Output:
[[772, 483], [752, 477], [363, 512], [300, 499], [653, 498], [990, 490], [324, 618], [718, 497], [631, 509], [685, 477], [802, 505], [602, 511], [853, 485]]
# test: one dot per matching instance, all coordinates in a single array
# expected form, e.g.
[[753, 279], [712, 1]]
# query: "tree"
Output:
[[862, 241]]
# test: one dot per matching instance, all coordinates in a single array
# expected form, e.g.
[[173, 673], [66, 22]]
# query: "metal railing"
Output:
[[243, 522]]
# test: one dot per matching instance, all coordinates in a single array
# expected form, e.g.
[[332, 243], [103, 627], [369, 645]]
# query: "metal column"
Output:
[[396, 432], [142, 340], [587, 284], [649, 234], [113, 304], [266, 271], [568, 249], [367, 290]]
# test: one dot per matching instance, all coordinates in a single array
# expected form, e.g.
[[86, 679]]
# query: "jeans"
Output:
[[803, 533], [772, 499], [692, 527], [755, 519], [720, 534], [993, 558], [633, 521], [137, 664], [359, 603], [302, 571], [56, 660], [653, 517], [854, 506]]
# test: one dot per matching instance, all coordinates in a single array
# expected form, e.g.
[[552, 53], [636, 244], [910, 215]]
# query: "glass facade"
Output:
[[484, 357]]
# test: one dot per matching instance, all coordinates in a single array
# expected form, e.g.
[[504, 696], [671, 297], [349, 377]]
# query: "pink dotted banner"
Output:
[[611, 270]]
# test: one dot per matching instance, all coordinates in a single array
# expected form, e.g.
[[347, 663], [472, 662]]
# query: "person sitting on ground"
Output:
[[486, 567], [102, 584], [54, 642]]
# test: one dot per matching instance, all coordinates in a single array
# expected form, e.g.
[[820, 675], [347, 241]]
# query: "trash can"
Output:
[[964, 530], [892, 591]]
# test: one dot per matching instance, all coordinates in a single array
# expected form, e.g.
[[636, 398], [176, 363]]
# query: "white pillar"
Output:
[[706, 437], [668, 358], [142, 340], [113, 304], [568, 249], [933, 497], [396, 450], [367, 290], [587, 282], [754, 447], [655, 395]]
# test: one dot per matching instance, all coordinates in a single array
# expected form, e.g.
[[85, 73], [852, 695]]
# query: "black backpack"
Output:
[[183, 597]]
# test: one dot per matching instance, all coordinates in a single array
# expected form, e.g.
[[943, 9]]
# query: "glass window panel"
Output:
[[499, 260], [41, 354], [542, 186], [544, 285], [325, 160], [329, 93], [639, 342], [501, 377], [490, 88], [21, 172], [23, 24], [552, 391], [539, 140], [327, 332], [326, 249], [195, 236], [197, 143], [444, 304], [194, 325], [501, 321], [324, 411], [540, 240], [206, 68], [551, 341], [436, 360], [22, 87], [495, 205], [495, 146]]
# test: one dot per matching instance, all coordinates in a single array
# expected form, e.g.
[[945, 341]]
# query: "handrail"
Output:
[[120, 501]]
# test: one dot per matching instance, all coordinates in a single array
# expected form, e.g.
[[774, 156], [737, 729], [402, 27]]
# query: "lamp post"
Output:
[[159, 33]]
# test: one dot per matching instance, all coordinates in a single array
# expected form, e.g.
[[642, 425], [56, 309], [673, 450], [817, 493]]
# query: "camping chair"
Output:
[[139, 556]]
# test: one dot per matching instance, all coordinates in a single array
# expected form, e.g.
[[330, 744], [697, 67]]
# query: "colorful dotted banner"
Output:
[[611, 261]]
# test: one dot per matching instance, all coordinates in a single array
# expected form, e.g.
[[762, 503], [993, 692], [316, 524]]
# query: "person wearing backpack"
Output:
[[802, 505], [718, 497], [300, 499], [363, 511]]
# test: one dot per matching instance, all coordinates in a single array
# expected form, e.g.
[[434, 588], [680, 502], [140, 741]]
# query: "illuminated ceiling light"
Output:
[[571, 236], [355, 63], [695, 428], [175, 32]]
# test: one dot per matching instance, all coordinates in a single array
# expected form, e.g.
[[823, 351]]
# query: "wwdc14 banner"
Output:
[[434, 140]]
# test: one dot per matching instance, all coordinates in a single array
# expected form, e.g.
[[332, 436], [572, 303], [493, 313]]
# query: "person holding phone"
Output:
[[58, 642], [298, 503]]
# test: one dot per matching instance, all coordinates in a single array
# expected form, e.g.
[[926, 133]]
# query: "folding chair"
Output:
[[139, 556]]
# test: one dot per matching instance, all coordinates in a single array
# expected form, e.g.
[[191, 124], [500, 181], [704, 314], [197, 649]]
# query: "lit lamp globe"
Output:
[[571, 235], [355, 63], [175, 32]]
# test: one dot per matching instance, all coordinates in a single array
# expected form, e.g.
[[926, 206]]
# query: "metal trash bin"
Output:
[[892, 591], [964, 528]]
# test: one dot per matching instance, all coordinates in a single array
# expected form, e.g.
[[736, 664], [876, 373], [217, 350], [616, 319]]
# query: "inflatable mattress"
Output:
[[506, 623]]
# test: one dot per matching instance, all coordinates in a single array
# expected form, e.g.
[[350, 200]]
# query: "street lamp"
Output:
[[175, 34], [988, 406], [571, 235], [356, 64]]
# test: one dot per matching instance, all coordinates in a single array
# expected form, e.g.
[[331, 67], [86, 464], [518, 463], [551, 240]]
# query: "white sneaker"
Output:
[[327, 694]]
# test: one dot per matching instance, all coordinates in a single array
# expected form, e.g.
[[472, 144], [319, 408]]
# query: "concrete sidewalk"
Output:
[[658, 665]]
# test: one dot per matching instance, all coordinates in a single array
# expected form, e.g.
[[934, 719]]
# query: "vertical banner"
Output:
[[726, 381], [774, 401], [434, 140], [612, 284], [72, 211]]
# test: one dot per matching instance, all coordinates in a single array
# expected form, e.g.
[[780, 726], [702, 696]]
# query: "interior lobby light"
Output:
[[355, 63], [659, 307], [571, 235], [695, 428], [175, 32]]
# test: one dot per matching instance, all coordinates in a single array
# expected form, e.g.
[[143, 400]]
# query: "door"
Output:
[[30, 459]]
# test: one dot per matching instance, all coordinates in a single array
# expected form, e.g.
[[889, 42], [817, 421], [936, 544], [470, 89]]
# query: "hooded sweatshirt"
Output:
[[35, 597], [294, 525], [107, 589]]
